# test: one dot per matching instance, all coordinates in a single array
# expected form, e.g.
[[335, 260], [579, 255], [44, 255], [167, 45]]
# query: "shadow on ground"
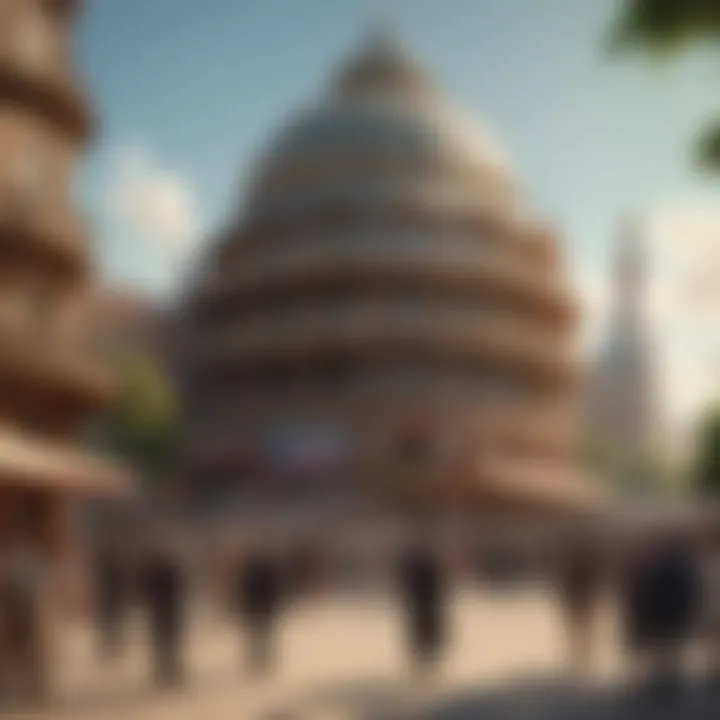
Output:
[[366, 698], [136, 697], [534, 700], [524, 699]]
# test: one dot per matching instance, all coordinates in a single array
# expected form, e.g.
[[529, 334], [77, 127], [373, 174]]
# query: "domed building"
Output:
[[381, 324]]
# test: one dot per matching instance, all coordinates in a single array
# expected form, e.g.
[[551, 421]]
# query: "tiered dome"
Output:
[[382, 267], [382, 104]]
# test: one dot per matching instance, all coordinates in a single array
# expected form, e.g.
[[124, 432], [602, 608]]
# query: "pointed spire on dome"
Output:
[[382, 31], [382, 64]]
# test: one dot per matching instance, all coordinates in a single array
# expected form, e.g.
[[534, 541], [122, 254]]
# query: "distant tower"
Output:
[[623, 412]]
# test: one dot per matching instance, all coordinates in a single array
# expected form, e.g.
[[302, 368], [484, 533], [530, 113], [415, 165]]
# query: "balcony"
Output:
[[368, 165], [469, 265], [476, 336], [412, 193], [50, 91], [56, 236], [530, 427], [59, 371]]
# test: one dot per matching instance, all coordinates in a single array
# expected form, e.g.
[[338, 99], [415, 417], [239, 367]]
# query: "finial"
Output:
[[381, 25]]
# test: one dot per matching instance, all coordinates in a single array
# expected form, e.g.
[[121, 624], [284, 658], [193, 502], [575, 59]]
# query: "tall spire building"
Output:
[[623, 403]]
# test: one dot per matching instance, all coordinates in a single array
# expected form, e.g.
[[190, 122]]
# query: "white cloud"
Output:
[[687, 236], [152, 201]]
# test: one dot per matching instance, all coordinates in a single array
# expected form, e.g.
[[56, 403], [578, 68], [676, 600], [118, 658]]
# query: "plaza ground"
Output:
[[343, 657]]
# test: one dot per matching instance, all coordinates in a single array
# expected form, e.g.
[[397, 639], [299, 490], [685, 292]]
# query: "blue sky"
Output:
[[189, 91]]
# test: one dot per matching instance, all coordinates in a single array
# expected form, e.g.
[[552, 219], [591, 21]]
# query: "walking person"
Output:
[[113, 587], [423, 587], [711, 604], [663, 605], [163, 587], [259, 594], [23, 592], [580, 586], [634, 596]]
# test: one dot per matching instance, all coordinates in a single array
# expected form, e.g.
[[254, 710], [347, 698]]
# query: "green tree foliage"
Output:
[[664, 28], [142, 428], [706, 473], [627, 470]]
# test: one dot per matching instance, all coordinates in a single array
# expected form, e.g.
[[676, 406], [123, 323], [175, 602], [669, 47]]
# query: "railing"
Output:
[[407, 254], [39, 352], [49, 85], [30, 221], [475, 329], [353, 320], [520, 430], [445, 194], [369, 164]]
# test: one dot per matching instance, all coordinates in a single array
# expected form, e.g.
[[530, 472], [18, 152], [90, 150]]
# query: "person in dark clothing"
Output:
[[259, 595], [635, 601], [710, 624], [112, 593], [422, 584], [580, 581], [163, 587], [23, 647], [662, 606], [675, 591]]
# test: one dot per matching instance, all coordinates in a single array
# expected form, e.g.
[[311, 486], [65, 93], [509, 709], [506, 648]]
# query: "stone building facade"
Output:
[[50, 379]]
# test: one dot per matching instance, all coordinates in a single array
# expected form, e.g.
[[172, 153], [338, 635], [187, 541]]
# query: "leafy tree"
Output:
[[142, 427], [664, 28], [706, 472], [626, 469]]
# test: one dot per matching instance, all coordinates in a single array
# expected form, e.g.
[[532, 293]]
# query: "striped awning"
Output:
[[27, 462]]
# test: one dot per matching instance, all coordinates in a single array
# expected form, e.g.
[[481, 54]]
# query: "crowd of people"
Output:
[[666, 586], [258, 586], [667, 589]]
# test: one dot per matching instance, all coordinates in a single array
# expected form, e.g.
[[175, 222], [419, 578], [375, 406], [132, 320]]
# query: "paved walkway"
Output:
[[343, 658]]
